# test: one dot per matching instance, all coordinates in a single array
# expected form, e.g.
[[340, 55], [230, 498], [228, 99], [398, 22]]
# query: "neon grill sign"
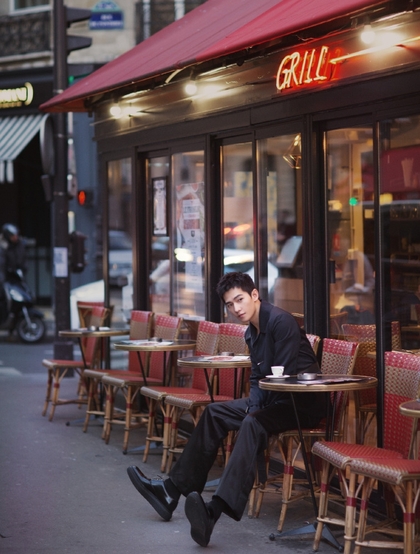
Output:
[[303, 68]]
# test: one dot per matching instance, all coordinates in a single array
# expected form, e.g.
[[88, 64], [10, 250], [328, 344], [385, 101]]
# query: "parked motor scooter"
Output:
[[17, 311]]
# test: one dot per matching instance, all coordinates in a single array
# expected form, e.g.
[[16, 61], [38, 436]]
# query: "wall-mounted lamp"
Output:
[[191, 88], [368, 34], [115, 110]]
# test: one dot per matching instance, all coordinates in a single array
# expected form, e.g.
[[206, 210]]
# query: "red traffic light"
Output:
[[85, 198]]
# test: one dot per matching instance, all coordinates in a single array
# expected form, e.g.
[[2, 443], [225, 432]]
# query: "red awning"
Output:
[[214, 29]]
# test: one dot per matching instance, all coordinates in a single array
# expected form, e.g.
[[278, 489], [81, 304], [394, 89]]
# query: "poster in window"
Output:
[[160, 214], [190, 232]]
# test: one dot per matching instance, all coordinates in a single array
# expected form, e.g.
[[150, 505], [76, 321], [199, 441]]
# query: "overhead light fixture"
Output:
[[191, 88], [115, 110], [368, 34]]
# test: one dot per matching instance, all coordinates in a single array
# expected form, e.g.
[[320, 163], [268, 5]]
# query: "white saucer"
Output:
[[276, 376]]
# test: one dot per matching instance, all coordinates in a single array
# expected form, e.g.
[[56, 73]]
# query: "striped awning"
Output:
[[15, 133]]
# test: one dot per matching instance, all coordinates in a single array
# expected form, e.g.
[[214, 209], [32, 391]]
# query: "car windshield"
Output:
[[118, 240]]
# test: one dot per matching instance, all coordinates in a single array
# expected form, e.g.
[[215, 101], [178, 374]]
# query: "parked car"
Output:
[[120, 257], [235, 260]]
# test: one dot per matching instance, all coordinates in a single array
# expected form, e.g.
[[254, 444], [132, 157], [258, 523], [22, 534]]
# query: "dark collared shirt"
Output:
[[280, 341]]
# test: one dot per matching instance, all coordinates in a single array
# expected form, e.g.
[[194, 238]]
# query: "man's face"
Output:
[[243, 305]]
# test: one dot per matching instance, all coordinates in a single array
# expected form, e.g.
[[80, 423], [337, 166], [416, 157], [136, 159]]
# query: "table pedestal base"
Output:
[[153, 446], [305, 530]]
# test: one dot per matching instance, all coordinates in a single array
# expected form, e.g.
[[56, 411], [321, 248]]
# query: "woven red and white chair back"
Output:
[[231, 339], [207, 340], [359, 333], [166, 327], [365, 335], [92, 344], [338, 357], [396, 335], [84, 309], [314, 341], [140, 329], [402, 382]]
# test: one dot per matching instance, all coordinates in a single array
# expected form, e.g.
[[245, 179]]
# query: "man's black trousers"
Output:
[[190, 472]]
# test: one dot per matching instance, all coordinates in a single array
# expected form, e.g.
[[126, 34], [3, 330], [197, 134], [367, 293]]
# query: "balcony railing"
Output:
[[25, 34]]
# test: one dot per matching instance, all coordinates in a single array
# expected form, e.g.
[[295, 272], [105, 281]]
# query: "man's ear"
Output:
[[255, 295]]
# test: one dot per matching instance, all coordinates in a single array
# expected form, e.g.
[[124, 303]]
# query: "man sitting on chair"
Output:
[[273, 338]]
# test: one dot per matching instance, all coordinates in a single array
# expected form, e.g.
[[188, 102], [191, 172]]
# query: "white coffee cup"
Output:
[[277, 370]]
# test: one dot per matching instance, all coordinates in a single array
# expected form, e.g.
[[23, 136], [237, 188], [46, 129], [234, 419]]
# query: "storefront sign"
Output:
[[16, 97], [302, 68]]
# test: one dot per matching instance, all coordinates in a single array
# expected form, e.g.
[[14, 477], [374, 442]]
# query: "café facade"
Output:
[[281, 139]]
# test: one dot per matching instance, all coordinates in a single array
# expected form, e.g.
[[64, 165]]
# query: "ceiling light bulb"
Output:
[[191, 88], [115, 111], [368, 34]]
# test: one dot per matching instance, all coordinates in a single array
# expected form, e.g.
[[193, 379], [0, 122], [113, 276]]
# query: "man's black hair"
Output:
[[235, 279]]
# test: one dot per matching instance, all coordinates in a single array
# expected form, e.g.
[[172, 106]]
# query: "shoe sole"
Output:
[[148, 495], [197, 515]]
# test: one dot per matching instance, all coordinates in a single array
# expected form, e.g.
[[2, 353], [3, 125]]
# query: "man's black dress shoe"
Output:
[[153, 490], [202, 522]]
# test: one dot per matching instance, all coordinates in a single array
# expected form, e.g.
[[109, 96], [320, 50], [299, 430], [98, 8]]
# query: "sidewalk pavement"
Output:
[[65, 491]]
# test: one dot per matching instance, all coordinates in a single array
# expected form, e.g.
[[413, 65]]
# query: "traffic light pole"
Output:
[[63, 349]]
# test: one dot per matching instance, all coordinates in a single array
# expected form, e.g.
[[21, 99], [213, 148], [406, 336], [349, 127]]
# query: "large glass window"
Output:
[[238, 211], [400, 208], [349, 161], [280, 184], [27, 4], [188, 233], [120, 252]]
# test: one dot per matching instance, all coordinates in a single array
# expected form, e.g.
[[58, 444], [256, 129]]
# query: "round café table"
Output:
[[216, 362], [100, 332], [154, 345], [323, 384]]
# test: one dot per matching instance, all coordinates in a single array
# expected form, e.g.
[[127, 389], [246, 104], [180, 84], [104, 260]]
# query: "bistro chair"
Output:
[[336, 321], [58, 369], [85, 310], [314, 341], [338, 357], [207, 337], [365, 400], [300, 319], [402, 381], [140, 328], [231, 339], [129, 383]]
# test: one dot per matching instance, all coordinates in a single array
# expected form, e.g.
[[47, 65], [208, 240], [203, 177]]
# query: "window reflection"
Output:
[[188, 233], [350, 226], [400, 207], [120, 252], [279, 177]]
